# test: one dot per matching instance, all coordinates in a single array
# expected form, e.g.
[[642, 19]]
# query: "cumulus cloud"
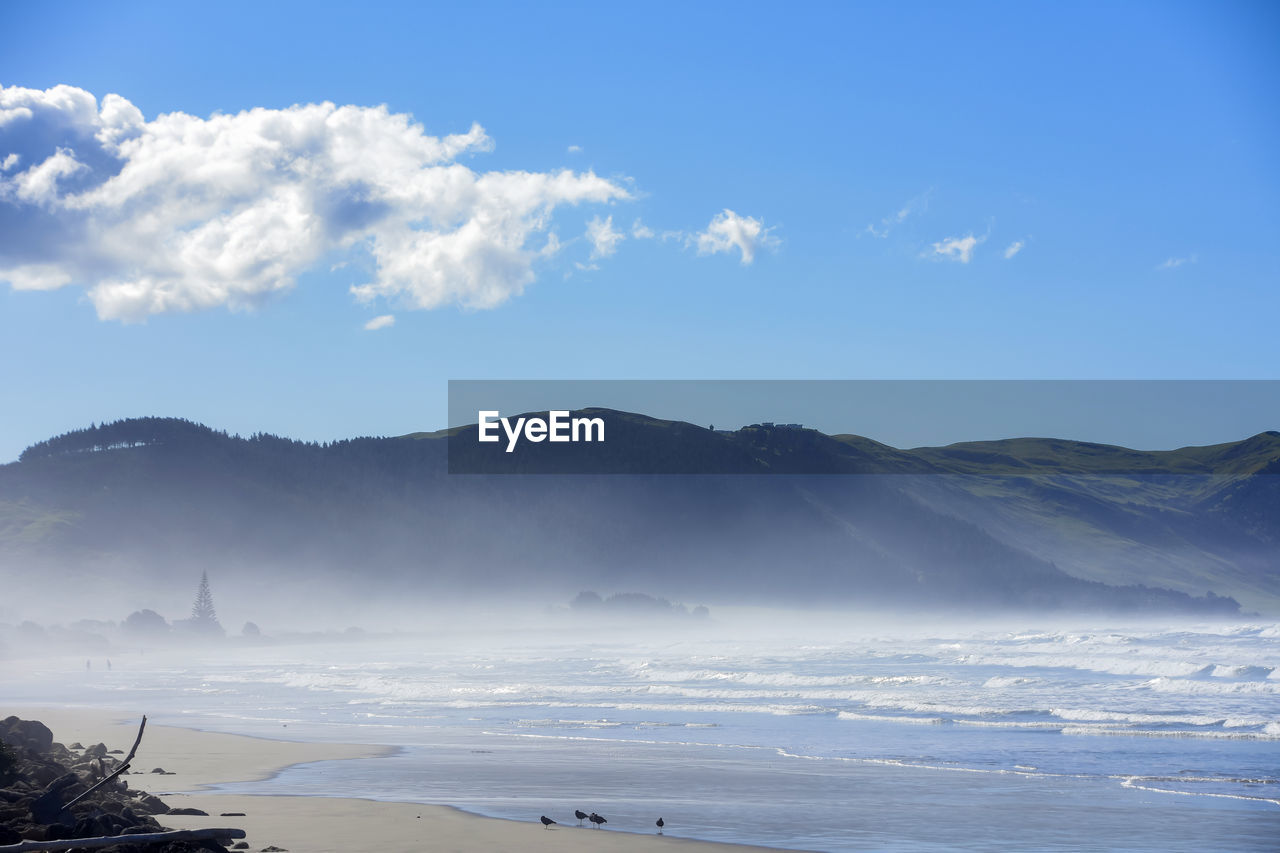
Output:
[[728, 231], [604, 238], [1013, 248], [1174, 263], [380, 322], [955, 248], [641, 231], [183, 213]]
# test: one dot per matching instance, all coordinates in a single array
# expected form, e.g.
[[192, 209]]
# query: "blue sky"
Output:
[[879, 160]]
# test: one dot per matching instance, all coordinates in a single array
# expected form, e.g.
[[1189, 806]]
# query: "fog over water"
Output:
[[813, 730]]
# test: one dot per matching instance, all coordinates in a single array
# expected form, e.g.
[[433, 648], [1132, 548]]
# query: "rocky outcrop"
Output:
[[40, 777]]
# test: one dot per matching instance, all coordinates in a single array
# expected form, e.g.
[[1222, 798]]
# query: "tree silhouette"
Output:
[[203, 616], [145, 622]]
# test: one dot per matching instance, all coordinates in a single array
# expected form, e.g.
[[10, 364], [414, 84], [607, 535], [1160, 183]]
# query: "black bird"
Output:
[[546, 822], [580, 815], [661, 823], [596, 819]]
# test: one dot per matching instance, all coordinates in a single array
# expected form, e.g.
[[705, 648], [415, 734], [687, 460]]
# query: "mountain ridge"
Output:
[[147, 493]]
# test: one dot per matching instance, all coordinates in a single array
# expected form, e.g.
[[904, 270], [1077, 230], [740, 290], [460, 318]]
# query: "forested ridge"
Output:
[[383, 514]]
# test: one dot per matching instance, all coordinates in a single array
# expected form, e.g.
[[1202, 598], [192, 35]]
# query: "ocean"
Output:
[[824, 733]]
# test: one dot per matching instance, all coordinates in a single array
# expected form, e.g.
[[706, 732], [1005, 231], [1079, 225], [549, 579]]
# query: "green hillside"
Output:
[[1019, 523]]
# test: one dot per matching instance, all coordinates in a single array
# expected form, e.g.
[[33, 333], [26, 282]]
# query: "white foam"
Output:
[[1001, 681], [1086, 715], [1218, 734], [1252, 673], [883, 718], [1211, 688]]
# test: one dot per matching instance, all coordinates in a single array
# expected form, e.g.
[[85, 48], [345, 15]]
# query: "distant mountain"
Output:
[[1037, 523]]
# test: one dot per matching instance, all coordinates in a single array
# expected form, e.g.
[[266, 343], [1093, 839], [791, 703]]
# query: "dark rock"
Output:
[[47, 808], [115, 752], [138, 830], [88, 827], [232, 814], [149, 804], [76, 745], [33, 804], [159, 770], [240, 845], [274, 849], [188, 811], [31, 735], [45, 775], [58, 832]]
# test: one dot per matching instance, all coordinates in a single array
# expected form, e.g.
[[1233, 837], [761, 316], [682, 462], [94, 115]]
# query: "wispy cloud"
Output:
[[640, 231], [182, 213], [575, 149], [1174, 263], [604, 237], [381, 322], [1014, 248], [727, 231], [958, 249], [916, 205]]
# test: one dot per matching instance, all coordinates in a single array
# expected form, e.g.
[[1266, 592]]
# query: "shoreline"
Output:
[[195, 760]]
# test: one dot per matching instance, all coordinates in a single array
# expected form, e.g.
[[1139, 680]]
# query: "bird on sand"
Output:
[[661, 823], [596, 819], [546, 822], [580, 815]]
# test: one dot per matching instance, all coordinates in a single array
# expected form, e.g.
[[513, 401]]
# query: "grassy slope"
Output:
[[1021, 504]]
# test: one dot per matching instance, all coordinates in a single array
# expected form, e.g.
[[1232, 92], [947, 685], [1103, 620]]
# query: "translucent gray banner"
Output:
[[997, 427]]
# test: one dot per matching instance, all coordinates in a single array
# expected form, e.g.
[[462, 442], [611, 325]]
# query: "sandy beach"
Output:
[[316, 824]]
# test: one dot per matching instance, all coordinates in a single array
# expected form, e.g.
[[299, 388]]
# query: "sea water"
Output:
[[1097, 738]]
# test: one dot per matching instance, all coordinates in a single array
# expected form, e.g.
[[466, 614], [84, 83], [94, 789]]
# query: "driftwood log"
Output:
[[109, 840], [124, 765]]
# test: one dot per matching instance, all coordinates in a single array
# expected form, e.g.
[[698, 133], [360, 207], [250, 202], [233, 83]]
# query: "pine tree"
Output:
[[203, 616]]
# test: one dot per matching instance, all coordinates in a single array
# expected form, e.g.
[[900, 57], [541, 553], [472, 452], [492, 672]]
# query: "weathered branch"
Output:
[[124, 765], [109, 840], [136, 741]]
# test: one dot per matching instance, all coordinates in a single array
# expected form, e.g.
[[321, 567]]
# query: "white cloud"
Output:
[[888, 223], [728, 231], [604, 239], [380, 322], [575, 149], [184, 213], [1014, 248], [641, 231], [1174, 263], [39, 184], [955, 248]]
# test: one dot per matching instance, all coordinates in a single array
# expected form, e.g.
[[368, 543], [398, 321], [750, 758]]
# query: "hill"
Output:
[[1022, 523]]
